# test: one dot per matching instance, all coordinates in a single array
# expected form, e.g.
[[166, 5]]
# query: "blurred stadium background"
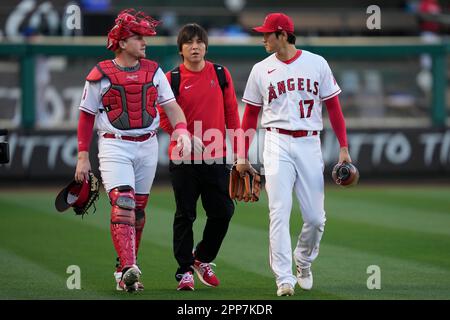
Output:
[[395, 97]]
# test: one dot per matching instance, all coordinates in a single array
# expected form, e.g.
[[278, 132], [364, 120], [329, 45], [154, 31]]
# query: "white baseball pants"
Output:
[[293, 164], [128, 163]]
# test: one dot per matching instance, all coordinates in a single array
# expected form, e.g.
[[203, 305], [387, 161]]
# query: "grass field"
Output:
[[405, 230]]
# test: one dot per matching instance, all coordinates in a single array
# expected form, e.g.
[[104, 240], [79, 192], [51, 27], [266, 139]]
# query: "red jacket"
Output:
[[202, 101]]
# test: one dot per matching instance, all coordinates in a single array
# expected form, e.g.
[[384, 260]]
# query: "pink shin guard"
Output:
[[123, 237], [123, 225]]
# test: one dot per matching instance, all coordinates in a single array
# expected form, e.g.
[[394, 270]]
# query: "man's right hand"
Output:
[[197, 145], [83, 167]]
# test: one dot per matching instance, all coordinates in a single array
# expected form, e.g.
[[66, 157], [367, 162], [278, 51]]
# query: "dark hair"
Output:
[[290, 36], [190, 31]]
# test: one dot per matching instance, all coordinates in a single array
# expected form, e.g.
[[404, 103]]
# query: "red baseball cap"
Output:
[[276, 22]]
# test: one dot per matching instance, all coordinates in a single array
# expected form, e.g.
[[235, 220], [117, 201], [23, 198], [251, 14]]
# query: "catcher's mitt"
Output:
[[345, 174], [245, 188], [80, 196]]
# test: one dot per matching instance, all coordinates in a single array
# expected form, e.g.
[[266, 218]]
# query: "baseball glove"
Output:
[[79, 196], [245, 188], [345, 174]]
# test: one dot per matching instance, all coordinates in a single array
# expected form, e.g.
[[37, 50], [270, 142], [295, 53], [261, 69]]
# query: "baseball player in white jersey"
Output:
[[120, 95], [290, 86]]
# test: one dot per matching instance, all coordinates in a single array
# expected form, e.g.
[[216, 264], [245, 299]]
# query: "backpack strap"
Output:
[[220, 72], [175, 80]]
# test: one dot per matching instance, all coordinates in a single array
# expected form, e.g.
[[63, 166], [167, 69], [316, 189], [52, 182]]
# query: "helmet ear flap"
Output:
[[345, 174]]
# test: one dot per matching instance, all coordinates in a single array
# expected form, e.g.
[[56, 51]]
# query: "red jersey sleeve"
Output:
[[85, 130], [250, 121], [337, 120]]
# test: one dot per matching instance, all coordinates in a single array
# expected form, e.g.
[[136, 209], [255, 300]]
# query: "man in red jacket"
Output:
[[206, 94], [120, 95]]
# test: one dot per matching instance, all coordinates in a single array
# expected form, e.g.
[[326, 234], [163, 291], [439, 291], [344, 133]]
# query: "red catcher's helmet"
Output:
[[345, 174], [127, 24]]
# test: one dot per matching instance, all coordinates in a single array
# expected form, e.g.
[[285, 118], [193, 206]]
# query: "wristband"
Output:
[[181, 128], [181, 125]]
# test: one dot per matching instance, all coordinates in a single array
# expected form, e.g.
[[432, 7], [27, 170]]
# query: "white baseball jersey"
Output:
[[291, 94], [91, 102]]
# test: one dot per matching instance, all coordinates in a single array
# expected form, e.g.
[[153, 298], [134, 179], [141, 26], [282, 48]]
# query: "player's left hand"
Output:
[[245, 187], [244, 167], [344, 155]]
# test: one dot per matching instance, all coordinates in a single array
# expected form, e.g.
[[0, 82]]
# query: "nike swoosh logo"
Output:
[[187, 87], [270, 71]]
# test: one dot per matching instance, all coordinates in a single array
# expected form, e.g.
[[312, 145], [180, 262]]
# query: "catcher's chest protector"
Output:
[[130, 103]]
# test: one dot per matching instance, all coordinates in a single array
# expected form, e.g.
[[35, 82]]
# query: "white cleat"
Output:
[[285, 289], [304, 278]]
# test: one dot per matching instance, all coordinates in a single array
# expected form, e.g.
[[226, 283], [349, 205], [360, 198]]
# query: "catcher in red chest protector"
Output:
[[120, 95]]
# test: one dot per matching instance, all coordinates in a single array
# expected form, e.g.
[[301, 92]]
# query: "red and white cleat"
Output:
[[186, 282], [206, 274]]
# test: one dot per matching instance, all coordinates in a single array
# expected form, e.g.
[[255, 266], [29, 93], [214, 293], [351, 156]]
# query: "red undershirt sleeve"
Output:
[[231, 106], [231, 113], [164, 122], [249, 121], [337, 120], [85, 130]]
